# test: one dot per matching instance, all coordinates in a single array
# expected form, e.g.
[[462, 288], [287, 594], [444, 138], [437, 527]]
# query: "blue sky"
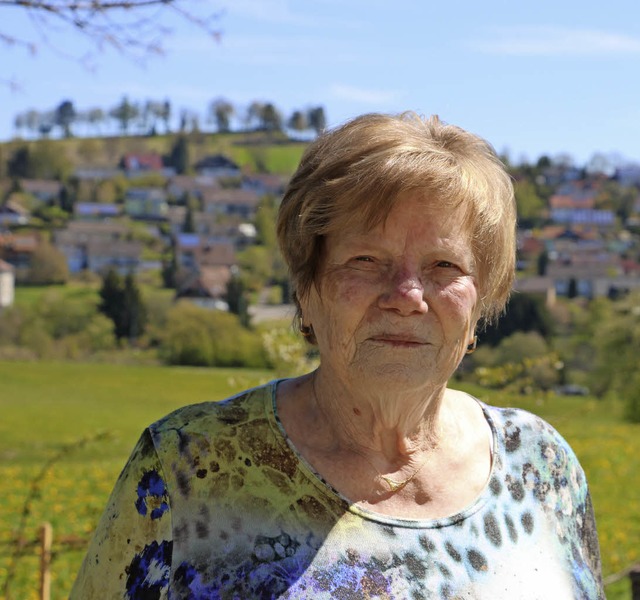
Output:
[[545, 77]]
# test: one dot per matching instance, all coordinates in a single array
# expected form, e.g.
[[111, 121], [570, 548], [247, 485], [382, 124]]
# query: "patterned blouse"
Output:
[[214, 503]]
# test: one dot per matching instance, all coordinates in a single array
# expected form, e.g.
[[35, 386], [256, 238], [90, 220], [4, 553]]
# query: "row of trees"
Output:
[[153, 116]]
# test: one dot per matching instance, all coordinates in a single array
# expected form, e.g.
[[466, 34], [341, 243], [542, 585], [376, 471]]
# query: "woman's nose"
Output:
[[405, 294]]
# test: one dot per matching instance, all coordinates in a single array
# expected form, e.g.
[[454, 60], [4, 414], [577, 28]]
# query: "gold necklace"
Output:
[[394, 486]]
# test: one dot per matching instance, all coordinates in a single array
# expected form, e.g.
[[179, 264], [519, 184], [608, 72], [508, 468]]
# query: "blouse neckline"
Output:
[[318, 481]]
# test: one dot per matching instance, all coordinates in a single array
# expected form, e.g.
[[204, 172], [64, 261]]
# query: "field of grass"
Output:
[[49, 408]]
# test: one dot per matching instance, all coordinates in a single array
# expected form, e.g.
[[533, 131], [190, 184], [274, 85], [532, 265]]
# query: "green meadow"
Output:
[[66, 430]]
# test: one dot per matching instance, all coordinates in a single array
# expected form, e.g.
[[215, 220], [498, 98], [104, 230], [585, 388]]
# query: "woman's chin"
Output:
[[398, 376]]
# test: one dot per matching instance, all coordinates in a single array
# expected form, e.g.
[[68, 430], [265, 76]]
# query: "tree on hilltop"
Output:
[[298, 121], [271, 118], [220, 112], [317, 119], [253, 116], [125, 113], [65, 115]]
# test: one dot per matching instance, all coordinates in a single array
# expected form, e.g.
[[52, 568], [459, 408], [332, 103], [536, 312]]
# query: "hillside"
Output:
[[254, 151]]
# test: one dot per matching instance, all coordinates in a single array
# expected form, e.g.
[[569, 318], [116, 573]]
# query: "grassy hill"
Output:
[[49, 408], [253, 150]]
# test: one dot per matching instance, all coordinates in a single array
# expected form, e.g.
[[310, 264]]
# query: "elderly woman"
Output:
[[368, 478]]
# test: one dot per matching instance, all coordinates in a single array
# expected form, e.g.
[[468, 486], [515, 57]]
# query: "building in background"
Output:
[[7, 285]]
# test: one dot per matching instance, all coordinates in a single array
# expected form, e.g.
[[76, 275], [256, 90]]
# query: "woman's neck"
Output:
[[395, 427]]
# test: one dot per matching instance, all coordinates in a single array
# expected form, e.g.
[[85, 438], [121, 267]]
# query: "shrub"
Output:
[[48, 265], [288, 353], [522, 362], [203, 337]]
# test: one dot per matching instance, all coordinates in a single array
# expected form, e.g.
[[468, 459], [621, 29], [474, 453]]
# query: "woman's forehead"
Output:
[[409, 209]]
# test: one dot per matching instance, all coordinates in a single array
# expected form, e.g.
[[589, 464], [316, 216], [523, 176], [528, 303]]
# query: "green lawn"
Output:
[[47, 408]]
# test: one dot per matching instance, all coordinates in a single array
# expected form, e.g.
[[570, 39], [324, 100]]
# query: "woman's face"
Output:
[[396, 304]]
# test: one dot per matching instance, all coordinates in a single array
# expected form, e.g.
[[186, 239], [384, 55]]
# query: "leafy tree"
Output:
[[111, 295], [620, 199], [32, 120], [189, 121], [19, 124], [530, 206], [256, 267], [125, 113], [51, 214], [544, 162], [524, 312], [189, 226], [616, 337], [95, 117], [317, 119], [67, 198], [520, 346], [236, 298], [43, 161], [45, 127], [65, 115], [48, 266], [262, 263], [543, 263], [106, 191], [19, 164], [165, 115], [220, 112], [179, 156], [135, 314], [122, 302], [201, 337], [253, 116], [271, 118], [265, 222], [169, 269], [49, 161], [298, 121]]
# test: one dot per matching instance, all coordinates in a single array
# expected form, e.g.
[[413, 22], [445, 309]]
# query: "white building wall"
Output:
[[7, 288]]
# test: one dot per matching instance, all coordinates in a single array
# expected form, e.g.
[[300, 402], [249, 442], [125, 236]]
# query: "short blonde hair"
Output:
[[357, 172]]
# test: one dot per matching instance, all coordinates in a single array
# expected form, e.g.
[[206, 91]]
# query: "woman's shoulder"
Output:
[[530, 439], [519, 420], [243, 407]]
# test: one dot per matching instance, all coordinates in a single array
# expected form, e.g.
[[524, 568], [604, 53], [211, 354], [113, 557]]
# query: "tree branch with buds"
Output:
[[135, 28]]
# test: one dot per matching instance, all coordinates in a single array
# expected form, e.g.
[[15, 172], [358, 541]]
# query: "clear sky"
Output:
[[544, 77]]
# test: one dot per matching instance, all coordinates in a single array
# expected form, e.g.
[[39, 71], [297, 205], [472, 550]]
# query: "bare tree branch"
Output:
[[133, 27]]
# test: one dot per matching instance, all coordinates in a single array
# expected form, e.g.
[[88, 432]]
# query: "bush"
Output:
[[59, 326], [522, 363], [63, 315], [202, 337], [289, 354], [48, 266]]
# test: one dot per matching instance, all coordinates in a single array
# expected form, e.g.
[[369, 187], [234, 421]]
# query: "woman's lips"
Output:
[[399, 340]]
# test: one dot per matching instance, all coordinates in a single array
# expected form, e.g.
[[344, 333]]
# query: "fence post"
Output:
[[46, 539], [634, 575]]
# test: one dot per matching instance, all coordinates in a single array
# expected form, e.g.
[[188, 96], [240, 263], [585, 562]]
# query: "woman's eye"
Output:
[[445, 264], [364, 258]]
